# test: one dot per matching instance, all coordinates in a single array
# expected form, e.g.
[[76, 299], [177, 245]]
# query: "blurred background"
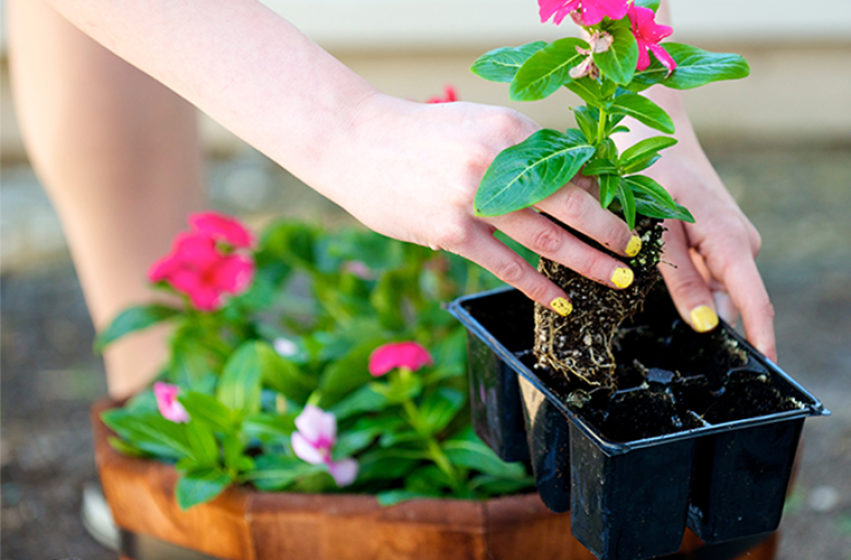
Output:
[[781, 141]]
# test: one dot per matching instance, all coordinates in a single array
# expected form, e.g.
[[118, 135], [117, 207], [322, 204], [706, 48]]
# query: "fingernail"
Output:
[[634, 246], [703, 318], [562, 306], [622, 277]]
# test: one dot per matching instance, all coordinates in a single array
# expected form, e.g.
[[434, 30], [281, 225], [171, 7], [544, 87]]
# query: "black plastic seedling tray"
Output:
[[631, 499]]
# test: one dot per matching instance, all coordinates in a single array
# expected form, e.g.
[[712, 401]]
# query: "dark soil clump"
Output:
[[579, 346]]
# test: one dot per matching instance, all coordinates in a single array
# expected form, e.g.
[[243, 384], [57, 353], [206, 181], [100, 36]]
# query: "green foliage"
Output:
[[133, 319], [547, 70], [501, 65], [695, 67], [243, 397], [527, 173], [618, 62], [524, 174]]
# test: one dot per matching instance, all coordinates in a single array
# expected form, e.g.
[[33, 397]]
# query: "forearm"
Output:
[[238, 61]]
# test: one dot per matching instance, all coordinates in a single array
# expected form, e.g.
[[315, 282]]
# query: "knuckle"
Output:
[[537, 291], [592, 264], [510, 272], [685, 283], [574, 204], [453, 237], [547, 241]]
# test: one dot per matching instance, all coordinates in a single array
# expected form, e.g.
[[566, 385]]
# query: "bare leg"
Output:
[[119, 155]]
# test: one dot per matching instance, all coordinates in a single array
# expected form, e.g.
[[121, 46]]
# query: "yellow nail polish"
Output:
[[622, 277], [562, 306], [634, 246], [703, 318]]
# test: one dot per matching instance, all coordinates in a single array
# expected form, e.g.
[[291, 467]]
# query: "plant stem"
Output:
[[601, 125], [437, 454]]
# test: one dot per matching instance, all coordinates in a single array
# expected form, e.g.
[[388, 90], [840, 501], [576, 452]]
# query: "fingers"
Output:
[[690, 292], [746, 289], [489, 253], [550, 240], [575, 206], [743, 290]]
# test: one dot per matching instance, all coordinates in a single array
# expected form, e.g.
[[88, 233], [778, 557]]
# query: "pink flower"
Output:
[[197, 268], [167, 402], [312, 443], [222, 228], [388, 357], [592, 12], [449, 95], [648, 34]]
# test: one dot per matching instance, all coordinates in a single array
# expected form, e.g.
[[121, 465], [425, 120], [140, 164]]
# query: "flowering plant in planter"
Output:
[[620, 56], [309, 362]]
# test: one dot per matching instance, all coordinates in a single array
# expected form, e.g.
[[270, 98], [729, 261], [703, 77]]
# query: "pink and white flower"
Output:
[[583, 12], [314, 439], [395, 355], [648, 34], [167, 403]]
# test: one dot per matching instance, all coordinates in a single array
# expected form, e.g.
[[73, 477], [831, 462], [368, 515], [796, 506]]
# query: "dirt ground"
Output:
[[798, 198]]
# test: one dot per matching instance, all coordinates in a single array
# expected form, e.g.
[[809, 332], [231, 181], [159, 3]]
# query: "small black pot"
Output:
[[632, 496]]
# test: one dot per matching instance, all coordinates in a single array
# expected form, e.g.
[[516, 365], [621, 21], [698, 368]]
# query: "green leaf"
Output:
[[347, 373], [642, 183], [127, 448], [636, 157], [501, 65], [649, 206], [588, 89], [695, 67], [618, 62], [467, 450], [587, 121], [239, 387], [131, 320], [529, 172], [264, 425], [547, 70], [291, 242], [233, 448], [438, 409], [209, 410], [627, 201], [494, 485], [277, 472], [365, 399], [391, 463], [651, 199], [360, 436], [608, 188], [205, 451], [282, 374], [391, 438], [599, 166], [644, 111], [149, 432], [652, 4], [198, 487]]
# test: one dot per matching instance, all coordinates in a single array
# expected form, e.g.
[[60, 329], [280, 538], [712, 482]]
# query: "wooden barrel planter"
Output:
[[243, 524]]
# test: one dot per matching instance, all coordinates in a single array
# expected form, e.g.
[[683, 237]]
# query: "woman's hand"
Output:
[[411, 171], [709, 265]]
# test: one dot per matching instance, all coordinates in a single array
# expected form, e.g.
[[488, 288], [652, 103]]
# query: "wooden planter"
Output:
[[242, 524]]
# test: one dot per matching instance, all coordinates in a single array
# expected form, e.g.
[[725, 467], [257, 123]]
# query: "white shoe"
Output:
[[97, 517]]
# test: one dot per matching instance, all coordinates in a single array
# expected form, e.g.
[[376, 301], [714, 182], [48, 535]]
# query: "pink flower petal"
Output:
[[317, 426], [593, 11], [398, 354], [167, 403], [305, 451], [344, 472], [559, 8], [663, 57], [232, 274], [222, 228], [449, 95], [643, 58]]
